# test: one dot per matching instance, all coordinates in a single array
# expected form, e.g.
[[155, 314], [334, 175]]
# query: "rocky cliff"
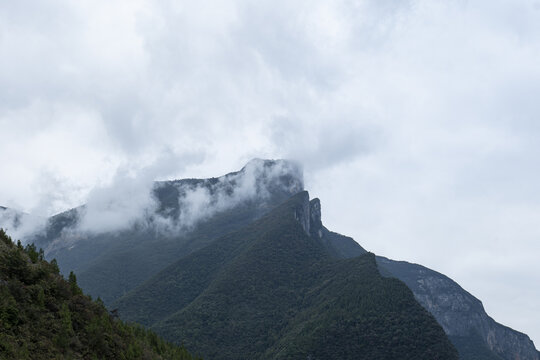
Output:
[[459, 313]]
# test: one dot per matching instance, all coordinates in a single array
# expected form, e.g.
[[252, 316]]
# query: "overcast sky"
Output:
[[417, 122]]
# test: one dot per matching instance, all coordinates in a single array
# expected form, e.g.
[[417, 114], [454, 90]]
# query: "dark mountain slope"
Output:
[[273, 290], [43, 316], [188, 278], [112, 263], [136, 255], [367, 315]]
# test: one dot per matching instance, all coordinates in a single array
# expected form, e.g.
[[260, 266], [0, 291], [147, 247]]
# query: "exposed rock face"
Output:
[[316, 227], [458, 312], [302, 213], [309, 216]]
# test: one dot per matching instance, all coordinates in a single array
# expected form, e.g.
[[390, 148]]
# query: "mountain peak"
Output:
[[285, 174], [270, 162], [259, 177]]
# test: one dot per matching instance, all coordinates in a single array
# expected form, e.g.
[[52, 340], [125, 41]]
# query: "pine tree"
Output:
[[75, 289]]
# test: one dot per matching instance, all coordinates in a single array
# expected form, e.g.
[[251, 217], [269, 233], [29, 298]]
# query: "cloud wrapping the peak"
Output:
[[128, 199], [258, 181], [132, 199]]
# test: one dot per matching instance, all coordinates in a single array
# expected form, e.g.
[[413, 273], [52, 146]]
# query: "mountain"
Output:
[[43, 316], [276, 290], [109, 264], [118, 264]]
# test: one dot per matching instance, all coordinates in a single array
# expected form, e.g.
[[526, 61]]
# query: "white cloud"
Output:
[[128, 199], [20, 225]]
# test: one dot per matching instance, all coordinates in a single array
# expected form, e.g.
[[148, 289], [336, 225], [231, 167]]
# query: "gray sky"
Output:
[[417, 121]]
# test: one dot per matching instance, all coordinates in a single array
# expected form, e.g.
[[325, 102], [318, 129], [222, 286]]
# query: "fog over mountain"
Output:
[[132, 201], [415, 121]]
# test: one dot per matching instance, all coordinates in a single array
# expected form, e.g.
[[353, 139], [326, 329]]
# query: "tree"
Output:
[[75, 289]]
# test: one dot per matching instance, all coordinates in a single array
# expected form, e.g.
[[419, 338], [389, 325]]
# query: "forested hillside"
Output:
[[273, 290], [44, 316]]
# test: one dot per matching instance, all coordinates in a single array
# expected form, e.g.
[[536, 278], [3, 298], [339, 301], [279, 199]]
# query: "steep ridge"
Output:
[[110, 264], [462, 316], [273, 290]]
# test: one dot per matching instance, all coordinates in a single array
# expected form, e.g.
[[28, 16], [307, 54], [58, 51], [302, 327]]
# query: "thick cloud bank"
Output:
[[416, 120]]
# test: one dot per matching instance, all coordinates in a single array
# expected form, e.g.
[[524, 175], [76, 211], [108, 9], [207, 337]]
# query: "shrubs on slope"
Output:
[[44, 316]]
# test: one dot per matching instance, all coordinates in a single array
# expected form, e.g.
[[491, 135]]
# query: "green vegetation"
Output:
[[270, 291], [43, 316], [111, 264]]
